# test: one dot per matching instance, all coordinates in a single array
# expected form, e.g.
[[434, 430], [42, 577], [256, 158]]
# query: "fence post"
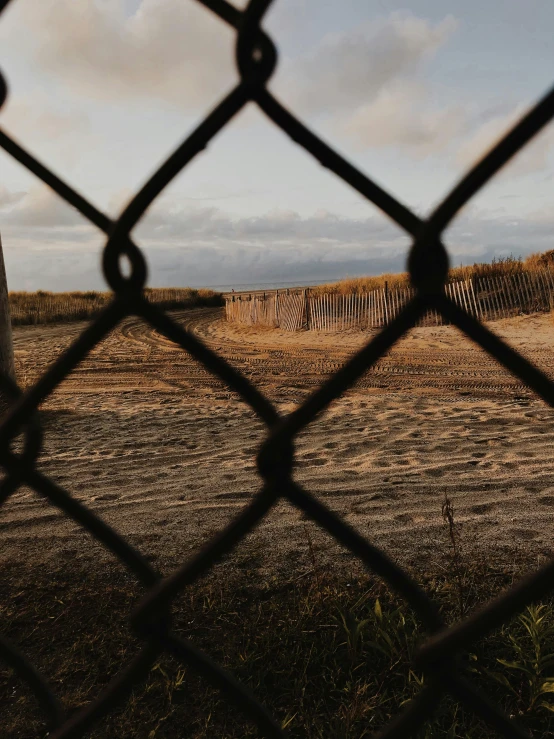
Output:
[[7, 364]]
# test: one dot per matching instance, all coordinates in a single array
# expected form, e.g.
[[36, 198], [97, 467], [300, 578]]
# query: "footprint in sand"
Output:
[[482, 508], [547, 500], [434, 472], [239, 495], [107, 496], [404, 518], [519, 533]]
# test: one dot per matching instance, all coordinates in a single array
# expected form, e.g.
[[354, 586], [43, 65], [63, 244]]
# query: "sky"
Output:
[[413, 93]]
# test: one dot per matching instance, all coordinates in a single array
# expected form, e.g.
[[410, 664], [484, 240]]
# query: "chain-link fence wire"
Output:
[[439, 657]]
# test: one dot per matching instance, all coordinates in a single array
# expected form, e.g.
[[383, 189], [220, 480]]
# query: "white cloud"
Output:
[[350, 68], [177, 52], [532, 158], [367, 83], [34, 114], [365, 80], [41, 208], [46, 127], [8, 198], [400, 117]]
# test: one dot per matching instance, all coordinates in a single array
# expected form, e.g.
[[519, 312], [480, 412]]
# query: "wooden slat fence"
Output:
[[485, 298]]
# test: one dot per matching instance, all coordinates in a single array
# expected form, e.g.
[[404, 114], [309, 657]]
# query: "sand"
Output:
[[166, 454]]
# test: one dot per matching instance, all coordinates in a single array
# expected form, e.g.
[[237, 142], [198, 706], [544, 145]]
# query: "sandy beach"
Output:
[[166, 454]]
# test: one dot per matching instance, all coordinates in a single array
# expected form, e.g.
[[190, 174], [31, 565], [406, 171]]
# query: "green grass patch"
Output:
[[329, 656]]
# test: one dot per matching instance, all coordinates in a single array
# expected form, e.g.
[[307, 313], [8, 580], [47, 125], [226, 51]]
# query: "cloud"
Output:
[[534, 157], [348, 69], [49, 246], [400, 117], [32, 114], [367, 83], [8, 198], [41, 208], [174, 223], [365, 80], [177, 52]]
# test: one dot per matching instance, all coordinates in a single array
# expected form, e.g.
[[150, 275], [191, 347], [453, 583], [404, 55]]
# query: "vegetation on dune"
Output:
[[503, 266], [48, 307]]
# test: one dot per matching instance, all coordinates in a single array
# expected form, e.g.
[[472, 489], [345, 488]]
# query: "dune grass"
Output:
[[48, 307], [497, 268]]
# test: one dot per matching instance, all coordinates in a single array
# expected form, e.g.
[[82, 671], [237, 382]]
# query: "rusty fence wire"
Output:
[[439, 657]]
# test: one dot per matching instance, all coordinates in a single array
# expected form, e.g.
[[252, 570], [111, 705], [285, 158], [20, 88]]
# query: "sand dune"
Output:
[[166, 453]]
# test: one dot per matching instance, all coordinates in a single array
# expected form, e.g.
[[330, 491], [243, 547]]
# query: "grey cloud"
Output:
[[214, 225], [40, 208], [8, 198], [52, 249]]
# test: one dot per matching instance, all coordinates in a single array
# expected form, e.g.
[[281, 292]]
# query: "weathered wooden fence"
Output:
[[487, 299]]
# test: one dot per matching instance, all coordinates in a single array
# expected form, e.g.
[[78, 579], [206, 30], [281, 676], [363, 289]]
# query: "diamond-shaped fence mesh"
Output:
[[428, 264]]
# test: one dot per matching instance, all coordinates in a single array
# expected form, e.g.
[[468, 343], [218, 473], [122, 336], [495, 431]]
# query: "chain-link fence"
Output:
[[439, 657]]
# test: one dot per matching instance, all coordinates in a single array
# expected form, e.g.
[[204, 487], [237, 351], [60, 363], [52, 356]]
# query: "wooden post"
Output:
[[543, 290], [516, 291], [461, 288], [471, 293], [528, 282], [508, 289], [548, 276], [7, 364], [500, 295], [493, 296], [529, 286], [525, 292], [485, 295]]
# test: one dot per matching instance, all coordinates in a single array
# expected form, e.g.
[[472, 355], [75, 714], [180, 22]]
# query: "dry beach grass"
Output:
[[47, 307], [502, 267]]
